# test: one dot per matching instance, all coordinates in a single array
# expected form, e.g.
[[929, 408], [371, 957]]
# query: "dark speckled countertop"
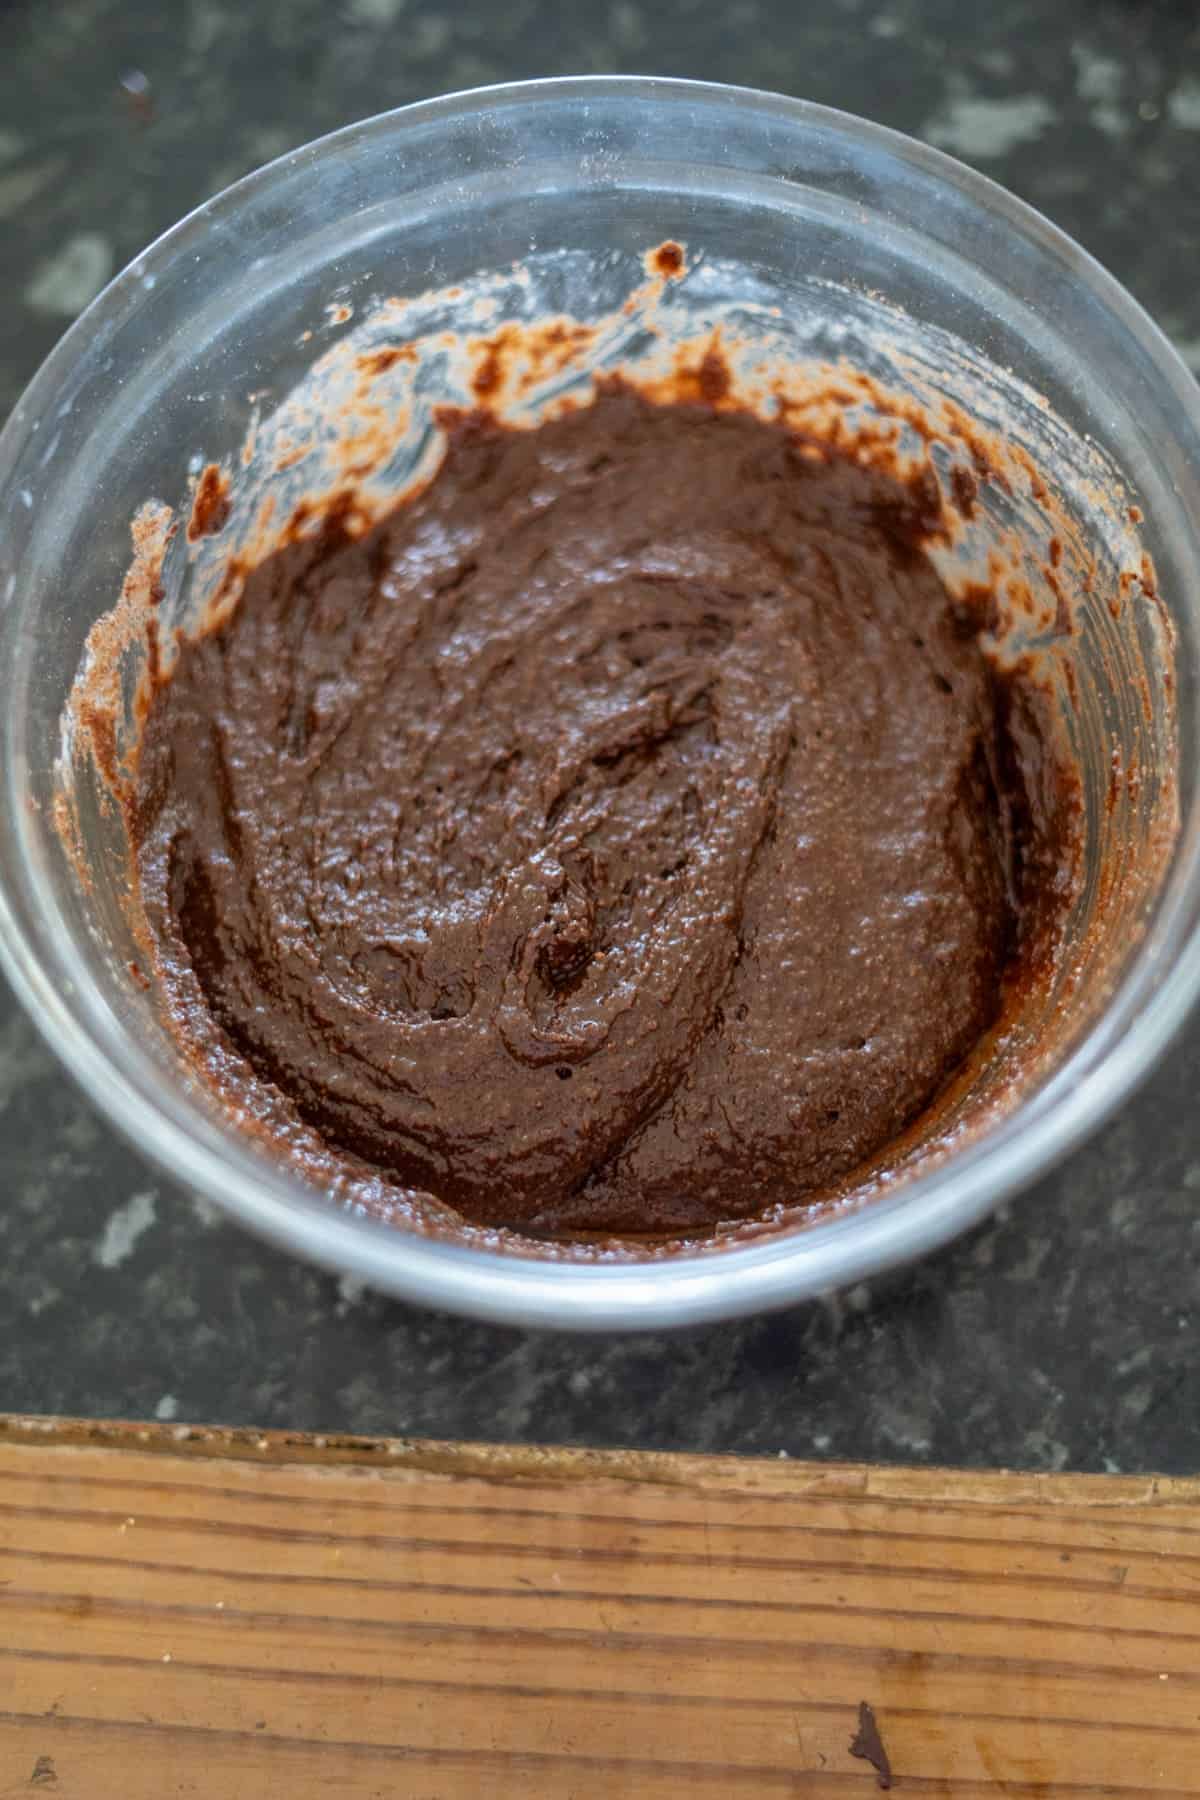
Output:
[[1061, 1335]]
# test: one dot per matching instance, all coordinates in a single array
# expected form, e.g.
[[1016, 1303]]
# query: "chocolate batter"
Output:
[[617, 837]]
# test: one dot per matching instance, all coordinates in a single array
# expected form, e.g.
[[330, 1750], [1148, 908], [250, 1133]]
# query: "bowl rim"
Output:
[[682, 1289]]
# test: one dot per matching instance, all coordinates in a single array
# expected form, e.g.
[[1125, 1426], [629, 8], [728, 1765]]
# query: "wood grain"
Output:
[[222, 1614]]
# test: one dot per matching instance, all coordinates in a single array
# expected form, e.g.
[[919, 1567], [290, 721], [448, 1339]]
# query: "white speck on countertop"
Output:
[[1183, 106], [976, 127], [125, 1226], [65, 284], [350, 1292]]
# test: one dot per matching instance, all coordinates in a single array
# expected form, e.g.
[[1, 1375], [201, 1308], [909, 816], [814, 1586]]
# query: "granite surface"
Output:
[[1061, 1335]]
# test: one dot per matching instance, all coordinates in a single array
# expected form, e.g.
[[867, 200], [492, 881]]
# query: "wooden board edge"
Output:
[[567, 1464]]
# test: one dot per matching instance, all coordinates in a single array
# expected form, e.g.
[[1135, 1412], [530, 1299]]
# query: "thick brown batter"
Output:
[[612, 838]]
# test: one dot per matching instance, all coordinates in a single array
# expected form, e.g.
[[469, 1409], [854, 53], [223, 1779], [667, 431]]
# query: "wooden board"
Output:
[[203, 1613]]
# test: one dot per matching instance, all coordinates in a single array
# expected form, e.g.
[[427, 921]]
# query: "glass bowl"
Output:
[[844, 225]]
